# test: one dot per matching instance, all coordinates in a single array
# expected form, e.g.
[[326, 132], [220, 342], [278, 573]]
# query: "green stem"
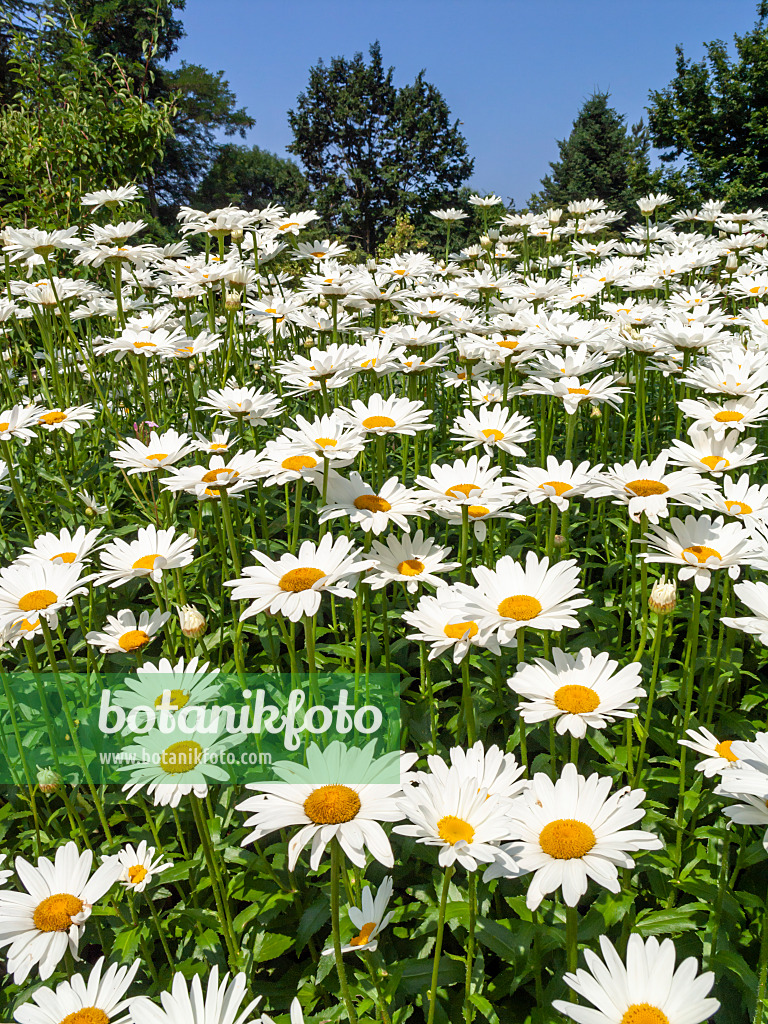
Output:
[[336, 856], [439, 943]]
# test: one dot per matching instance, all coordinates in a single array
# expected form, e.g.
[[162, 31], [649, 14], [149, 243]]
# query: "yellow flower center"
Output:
[[508, 344], [56, 416], [644, 488], [332, 805], [558, 486], [520, 607], [455, 830], [216, 446], [566, 839], [213, 474], [578, 391], [713, 461], [326, 442], [299, 462], [144, 344], [372, 422], [88, 1015], [299, 579], [156, 458], [723, 749], [178, 699], [575, 699], [493, 434], [55, 913], [146, 562], [137, 874], [318, 254], [702, 552], [477, 511], [458, 489], [644, 1013], [181, 757], [372, 503], [738, 508], [36, 600], [729, 416], [364, 936], [133, 639], [65, 556], [410, 567], [456, 630], [4, 425]]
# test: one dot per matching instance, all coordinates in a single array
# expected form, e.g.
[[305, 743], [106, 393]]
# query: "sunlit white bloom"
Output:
[[739, 414], [186, 1003], [123, 634], [370, 919], [152, 553], [138, 865], [559, 483], [707, 455], [648, 487], [63, 546], [411, 561], [393, 415], [493, 428], [162, 450], [365, 507], [443, 623], [234, 404], [718, 756]]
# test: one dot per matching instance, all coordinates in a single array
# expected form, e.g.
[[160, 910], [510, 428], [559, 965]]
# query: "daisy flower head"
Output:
[[705, 454], [149, 555], [146, 342], [99, 998], [572, 830], [755, 597], [461, 482], [235, 404], [538, 595], [279, 464], [443, 623], [186, 683], [218, 442], [327, 437], [453, 812], [371, 511], [741, 499], [493, 428], [63, 546], [370, 919], [138, 865], [580, 691], [204, 482], [702, 546], [718, 756], [41, 924], [31, 590], [110, 197], [648, 487], [648, 989], [493, 502], [293, 585], [162, 450], [497, 773], [123, 634], [65, 419], [18, 422], [411, 561], [186, 1003], [560, 482], [342, 793], [391, 415], [739, 414], [572, 391]]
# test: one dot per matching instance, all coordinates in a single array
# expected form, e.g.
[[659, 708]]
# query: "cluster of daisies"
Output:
[[378, 434]]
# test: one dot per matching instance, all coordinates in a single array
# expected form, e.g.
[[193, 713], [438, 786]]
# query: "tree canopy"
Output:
[[252, 178], [371, 150]]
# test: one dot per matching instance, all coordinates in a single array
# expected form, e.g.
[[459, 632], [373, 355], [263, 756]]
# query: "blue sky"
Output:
[[515, 72]]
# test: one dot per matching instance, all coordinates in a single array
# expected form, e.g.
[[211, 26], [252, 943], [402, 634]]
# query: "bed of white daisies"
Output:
[[528, 479]]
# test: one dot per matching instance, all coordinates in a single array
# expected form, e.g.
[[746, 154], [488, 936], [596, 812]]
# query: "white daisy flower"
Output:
[[461, 482], [648, 487], [370, 919], [279, 464], [327, 437], [572, 391], [393, 415], [145, 342], [186, 683], [411, 561], [18, 421], [30, 590], [648, 990], [162, 450], [99, 999], [582, 691], [718, 754], [139, 865], [65, 419], [370, 510], [755, 597], [63, 547], [343, 793], [741, 499], [497, 773], [705, 454], [110, 197], [238, 475], [560, 482], [218, 442], [39, 925], [738, 414], [124, 635], [235, 404], [572, 830], [493, 428], [149, 555], [186, 1003], [293, 585], [442, 622]]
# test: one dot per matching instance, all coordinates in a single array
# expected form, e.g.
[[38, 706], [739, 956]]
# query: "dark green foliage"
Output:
[[371, 150], [712, 120], [251, 178], [600, 158]]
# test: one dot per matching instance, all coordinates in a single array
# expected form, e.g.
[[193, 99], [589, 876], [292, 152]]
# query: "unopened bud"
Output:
[[732, 261], [237, 236], [48, 780], [323, 302], [560, 540], [233, 301], [486, 242], [594, 413], [663, 597], [191, 620]]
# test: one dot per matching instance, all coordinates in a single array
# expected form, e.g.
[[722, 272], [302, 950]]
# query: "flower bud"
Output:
[[237, 236], [233, 301], [732, 261], [48, 780], [663, 596], [191, 620], [594, 413], [560, 540], [486, 242]]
